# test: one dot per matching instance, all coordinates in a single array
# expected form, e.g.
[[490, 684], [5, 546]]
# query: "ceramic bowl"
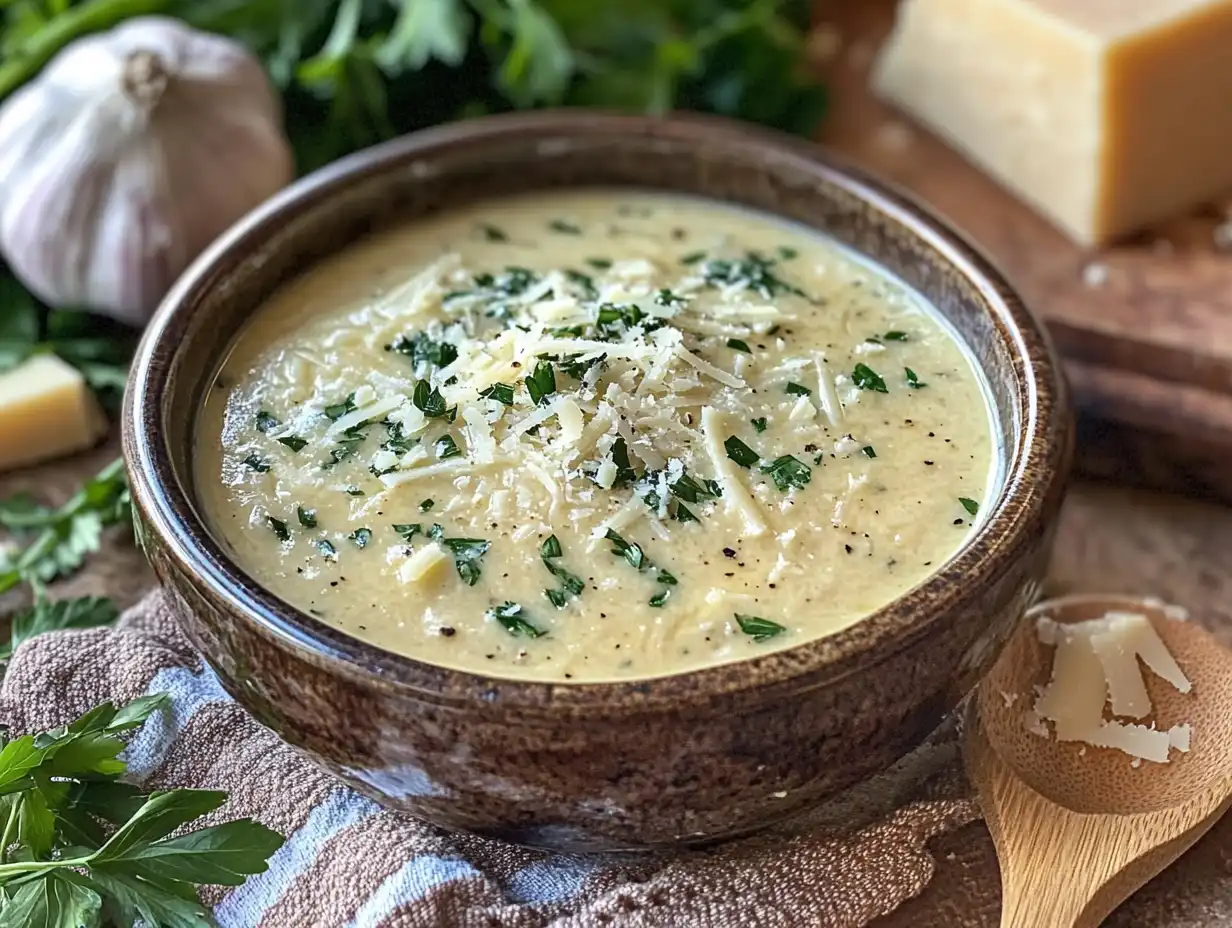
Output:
[[649, 764]]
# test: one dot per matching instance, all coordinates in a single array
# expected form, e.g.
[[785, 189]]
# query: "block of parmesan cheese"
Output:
[[1104, 115], [46, 410]]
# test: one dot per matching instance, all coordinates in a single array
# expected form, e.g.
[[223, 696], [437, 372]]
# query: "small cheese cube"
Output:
[[423, 564], [46, 411], [1104, 115]]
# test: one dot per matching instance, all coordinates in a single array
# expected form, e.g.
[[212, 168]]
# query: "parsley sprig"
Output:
[[62, 537], [78, 844]]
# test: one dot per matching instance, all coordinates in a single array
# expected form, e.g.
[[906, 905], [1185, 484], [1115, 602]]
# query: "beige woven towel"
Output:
[[349, 863]]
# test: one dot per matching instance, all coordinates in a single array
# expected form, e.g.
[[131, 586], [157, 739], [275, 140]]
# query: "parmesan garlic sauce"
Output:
[[595, 435]]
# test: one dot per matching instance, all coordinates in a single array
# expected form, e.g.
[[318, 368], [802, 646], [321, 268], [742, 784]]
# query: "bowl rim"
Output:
[[1032, 482]]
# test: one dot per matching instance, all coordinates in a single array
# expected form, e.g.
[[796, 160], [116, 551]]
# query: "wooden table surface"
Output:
[[1111, 539]]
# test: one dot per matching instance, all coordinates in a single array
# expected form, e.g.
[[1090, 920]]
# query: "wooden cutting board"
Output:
[[1145, 326]]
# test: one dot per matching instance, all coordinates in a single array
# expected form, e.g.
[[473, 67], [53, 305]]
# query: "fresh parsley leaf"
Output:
[[266, 421], [693, 257], [512, 617], [866, 378], [279, 528], [759, 424], [361, 537], [294, 442], [631, 552], [757, 628], [913, 381], [542, 382], [428, 400], [970, 505], [254, 462], [572, 584], [338, 410], [307, 517], [659, 599], [684, 514], [738, 345], [446, 447], [408, 530], [797, 389], [788, 472], [896, 336], [326, 547], [467, 553], [564, 227], [550, 547], [423, 349], [754, 272], [599, 264], [353, 491], [501, 392], [493, 233], [425, 505], [49, 616], [741, 453], [695, 491], [869, 451]]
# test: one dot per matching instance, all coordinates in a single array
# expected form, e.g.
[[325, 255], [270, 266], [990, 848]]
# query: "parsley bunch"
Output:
[[80, 849]]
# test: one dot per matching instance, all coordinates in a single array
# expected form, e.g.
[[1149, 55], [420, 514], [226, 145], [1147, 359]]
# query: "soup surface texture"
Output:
[[594, 435]]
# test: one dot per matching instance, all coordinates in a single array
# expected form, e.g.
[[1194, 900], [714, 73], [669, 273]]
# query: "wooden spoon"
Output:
[[1078, 829]]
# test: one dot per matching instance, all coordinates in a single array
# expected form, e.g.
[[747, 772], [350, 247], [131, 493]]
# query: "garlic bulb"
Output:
[[127, 156]]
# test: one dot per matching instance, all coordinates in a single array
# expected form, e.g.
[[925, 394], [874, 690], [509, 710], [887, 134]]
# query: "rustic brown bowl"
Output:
[[648, 764]]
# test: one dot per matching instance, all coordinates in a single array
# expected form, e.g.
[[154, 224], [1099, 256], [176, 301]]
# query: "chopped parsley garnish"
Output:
[[614, 319], [630, 551], [266, 421], [913, 381], [869, 451], [353, 491], [572, 584], [542, 382], [684, 514], [741, 453], [428, 400], [659, 598], [759, 425], [446, 447], [307, 517], [510, 615], [361, 537], [422, 349], [326, 547], [426, 505], [757, 628], [636, 557], [493, 233], [755, 272], [786, 253], [279, 528], [737, 345], [501, 392], [797, 389], [408, 530], [255, 462], [624, 467], [773, 330], [669, 299], [970, 505], [338, 410], [695, 491], [788, 472], [564, 227], [466, 554], [294, 442], [866, 378], [599, 264], [896, 336], [693, 257], [397, 441], [585, 281]]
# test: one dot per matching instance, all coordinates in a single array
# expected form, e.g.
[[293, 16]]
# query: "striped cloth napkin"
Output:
[[348, 862]]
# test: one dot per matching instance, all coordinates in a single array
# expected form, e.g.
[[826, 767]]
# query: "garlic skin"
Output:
[[130, 153]]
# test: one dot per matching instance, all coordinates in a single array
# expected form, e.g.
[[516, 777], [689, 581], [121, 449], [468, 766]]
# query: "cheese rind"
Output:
[[1103, 116], [46, 411]]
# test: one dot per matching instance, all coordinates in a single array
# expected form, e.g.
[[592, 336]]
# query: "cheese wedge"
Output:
[[1104, 115], [46, 410]]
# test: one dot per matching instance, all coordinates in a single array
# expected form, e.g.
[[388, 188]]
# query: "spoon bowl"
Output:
[[1077, 828], [1088, 779]]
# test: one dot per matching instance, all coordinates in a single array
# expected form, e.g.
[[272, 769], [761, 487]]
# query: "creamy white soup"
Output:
[[594, 435]]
